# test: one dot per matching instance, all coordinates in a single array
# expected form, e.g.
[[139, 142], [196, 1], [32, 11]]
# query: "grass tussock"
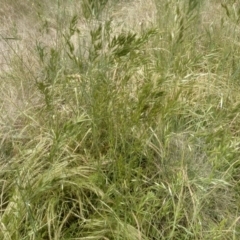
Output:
[[119, 120]]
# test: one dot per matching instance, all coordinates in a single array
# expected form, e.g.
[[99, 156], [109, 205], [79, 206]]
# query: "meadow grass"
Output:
[[119, 120]]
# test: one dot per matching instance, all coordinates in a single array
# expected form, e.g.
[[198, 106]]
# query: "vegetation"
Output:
[[120, 120]]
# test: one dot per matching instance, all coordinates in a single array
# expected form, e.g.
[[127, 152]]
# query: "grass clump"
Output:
[[110, 132]]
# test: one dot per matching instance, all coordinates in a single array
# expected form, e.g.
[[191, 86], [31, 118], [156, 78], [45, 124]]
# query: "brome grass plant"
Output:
[[119, 120]]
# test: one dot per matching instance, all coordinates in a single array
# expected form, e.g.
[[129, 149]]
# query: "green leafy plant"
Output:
[[111, 132]]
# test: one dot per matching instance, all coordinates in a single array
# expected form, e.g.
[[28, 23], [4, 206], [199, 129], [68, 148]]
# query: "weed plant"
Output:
[[113, 133]]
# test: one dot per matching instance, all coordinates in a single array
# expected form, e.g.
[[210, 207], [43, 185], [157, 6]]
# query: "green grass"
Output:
[[120, 120]]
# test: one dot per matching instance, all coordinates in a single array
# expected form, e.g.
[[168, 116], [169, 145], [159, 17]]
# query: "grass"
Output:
[[119, 120]]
